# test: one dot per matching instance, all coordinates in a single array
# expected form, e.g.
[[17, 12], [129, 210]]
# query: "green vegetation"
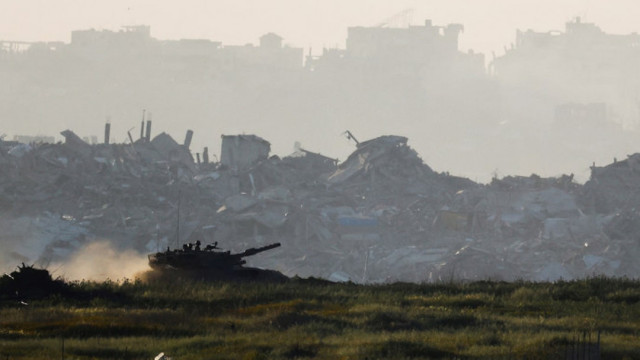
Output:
[[308, 319]]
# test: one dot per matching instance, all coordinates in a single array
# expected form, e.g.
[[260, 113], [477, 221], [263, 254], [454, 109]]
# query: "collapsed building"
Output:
[[573, 90], [381, 215]]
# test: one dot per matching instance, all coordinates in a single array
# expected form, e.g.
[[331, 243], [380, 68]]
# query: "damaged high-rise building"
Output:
[[413, 81]]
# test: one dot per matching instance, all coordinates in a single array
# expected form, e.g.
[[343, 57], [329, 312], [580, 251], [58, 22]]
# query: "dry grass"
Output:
[[308, 319]]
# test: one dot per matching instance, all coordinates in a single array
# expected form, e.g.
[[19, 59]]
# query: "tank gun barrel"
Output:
[[253, 251]]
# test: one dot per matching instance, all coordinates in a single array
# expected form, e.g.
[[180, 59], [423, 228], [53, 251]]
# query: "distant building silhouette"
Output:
[[421, 50], [551, 93], [583, 64]]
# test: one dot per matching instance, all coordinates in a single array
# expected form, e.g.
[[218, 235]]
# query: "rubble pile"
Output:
[[381, 215]]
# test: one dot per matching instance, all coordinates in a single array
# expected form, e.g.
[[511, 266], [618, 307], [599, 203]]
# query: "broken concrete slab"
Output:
[[241, 202], [241, 151]]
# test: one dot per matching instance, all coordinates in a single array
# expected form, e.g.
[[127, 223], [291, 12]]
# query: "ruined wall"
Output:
[[240, 151]]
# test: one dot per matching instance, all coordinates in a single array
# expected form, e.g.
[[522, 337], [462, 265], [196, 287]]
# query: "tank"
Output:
[[210, 262]]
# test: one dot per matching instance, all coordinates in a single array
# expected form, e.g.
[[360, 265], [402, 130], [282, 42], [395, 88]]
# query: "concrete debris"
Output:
[[19, 150], [74, 142], [381, 215], [240, 151]]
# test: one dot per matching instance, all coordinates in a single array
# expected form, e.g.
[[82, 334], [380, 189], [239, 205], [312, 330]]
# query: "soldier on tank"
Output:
[[211, 247]]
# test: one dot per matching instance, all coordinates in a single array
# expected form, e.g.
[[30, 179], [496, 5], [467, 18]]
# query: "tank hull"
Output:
[[212, 264]]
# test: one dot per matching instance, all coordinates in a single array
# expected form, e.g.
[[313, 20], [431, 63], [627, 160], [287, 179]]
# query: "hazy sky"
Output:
[[489, 24]]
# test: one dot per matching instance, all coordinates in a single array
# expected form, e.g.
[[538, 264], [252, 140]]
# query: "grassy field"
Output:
[[308, 319]]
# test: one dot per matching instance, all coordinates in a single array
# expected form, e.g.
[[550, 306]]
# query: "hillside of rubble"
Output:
[[382, 215]]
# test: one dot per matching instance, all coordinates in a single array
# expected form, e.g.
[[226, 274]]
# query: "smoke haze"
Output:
[[480, 89], [466, 122], [99, 261]]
